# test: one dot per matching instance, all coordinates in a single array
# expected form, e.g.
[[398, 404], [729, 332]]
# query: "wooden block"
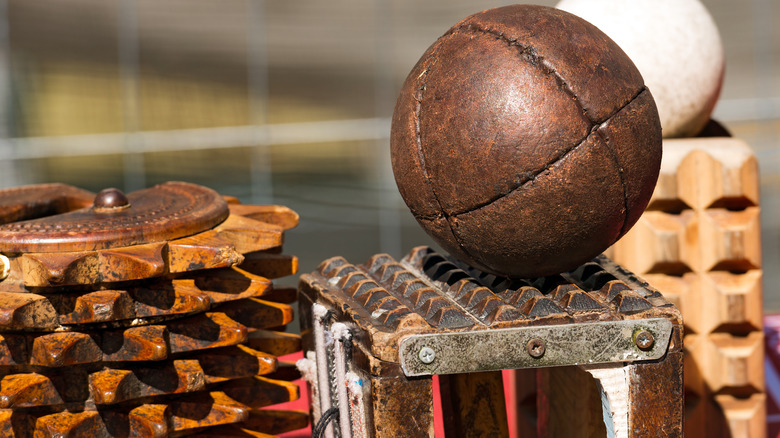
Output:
[[270, 265], [27, 390], [136, 343], [728, 362], [257, 313], [149, 420], [100, 306], [207, 410], [169, 299], [658, 243], [58, 268], [228, 284], [275, 343], [235, 362], [208, 330], [713, 172], [744, 416], [132, 262], [112, 386], [63, 349], [26, 311], [275, 421], [249, 235], [724, 302], [259, 391], [67, 424], [202, 251], [473, 404], [730, 240], [273, 214]]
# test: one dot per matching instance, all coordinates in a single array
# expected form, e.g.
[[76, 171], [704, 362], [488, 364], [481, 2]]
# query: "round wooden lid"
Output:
[[57, 218]]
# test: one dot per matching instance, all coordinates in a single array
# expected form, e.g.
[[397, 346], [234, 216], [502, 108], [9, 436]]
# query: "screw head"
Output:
[[535, 348], [644, 339], [426, 355]]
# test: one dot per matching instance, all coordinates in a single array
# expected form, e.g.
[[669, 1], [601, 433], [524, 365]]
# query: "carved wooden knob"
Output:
[[111, 198]]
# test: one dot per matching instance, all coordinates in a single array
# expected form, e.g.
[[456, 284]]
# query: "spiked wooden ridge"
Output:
[[152, 314]]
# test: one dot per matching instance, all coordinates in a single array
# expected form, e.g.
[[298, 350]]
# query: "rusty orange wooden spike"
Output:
[[257, 313], [112, 386], [169, 299], [28, 390], [248, 235], [270, 265], [132, 262], [207, 410], [86, 423], [273, 342], [272, 214], [202, 251], [63, 349], [26, 311], [100, 306], [149, 420], [209, 330], [136, 343]]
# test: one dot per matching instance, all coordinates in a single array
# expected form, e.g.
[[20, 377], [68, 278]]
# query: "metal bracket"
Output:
[[536, 346]]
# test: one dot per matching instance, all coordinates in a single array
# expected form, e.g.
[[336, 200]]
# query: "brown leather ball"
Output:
[[525, 142]]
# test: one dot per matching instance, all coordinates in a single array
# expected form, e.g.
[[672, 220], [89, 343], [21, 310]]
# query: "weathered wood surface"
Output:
[[700, 244], [146, 326]]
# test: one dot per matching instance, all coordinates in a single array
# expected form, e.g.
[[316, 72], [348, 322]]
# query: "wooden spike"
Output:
[[209, 330], [27, 390], [136, 343], [270, 265], [259, 391], [272, 214], [659, 243], [726, 361], [249, 235], [100, 306], [58, 269], [228, 284], [64, 348], [275, 343], [26, 311], [275, 421], [132, 262], [149, 421], [117, 385], [744, 416], [212, 409], [234, 363], [70, 424], [257, 313], [169, 299], [201, 251]]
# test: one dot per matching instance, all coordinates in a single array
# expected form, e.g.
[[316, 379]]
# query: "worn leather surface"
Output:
[[525, 142]]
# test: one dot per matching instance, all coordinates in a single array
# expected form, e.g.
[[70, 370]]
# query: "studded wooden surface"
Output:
[[427, 292]]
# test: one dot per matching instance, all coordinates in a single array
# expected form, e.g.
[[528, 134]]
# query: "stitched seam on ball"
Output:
[[418, 97], [621, 174], [550, 164], [535, 59]]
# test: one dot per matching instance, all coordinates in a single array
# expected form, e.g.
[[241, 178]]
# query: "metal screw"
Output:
[[535, 348], [644, 340], [426, 355]]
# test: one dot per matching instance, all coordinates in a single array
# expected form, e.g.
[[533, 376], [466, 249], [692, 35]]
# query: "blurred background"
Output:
[[286, 102]]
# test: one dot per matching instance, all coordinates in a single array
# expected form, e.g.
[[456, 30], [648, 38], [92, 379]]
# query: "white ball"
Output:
[[675, 45]]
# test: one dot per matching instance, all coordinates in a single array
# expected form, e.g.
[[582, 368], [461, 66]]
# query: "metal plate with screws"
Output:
[[540, 346]]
